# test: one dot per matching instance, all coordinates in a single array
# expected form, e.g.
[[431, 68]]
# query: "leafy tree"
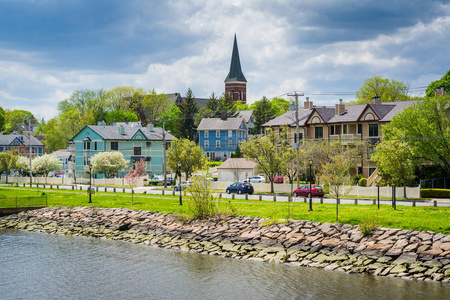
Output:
[[120, 115], [108, 163], [228, 106], [2, 118], [267, 151], [149, 106], [238, 153], [136, 171], [385, 89], [188, 153], [169, 116], [443, 82], [336, 172], [120, 97], [13, 117], [425, 128], [242, 106], [279, 106], [395, 162], [85, 102], [185, 125], [213, 104], [58, 131], [46, 163], [8, 162], [263, 112]]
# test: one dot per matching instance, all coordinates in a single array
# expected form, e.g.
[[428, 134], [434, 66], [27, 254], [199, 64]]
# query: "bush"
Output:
[[203, 204], [356, 178], [362, 182], [369, 225], [212, 164], [434, 193], [152, 182]]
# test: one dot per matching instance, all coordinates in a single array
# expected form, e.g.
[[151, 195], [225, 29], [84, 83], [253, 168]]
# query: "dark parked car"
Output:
[[240, 188], [316, 191]]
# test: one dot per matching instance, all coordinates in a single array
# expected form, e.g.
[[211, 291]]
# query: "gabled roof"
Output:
[[237, 163], [235, 73], [399, 106], [219, 124], [61, 153], [7, 140], [112, 132], [246, 114]]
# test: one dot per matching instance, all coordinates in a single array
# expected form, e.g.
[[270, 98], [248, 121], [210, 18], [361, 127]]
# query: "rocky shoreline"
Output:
[[389, 252]]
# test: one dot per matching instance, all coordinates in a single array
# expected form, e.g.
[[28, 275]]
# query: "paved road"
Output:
[[279, 198]]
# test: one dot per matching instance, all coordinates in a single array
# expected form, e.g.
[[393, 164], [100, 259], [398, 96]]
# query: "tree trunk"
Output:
[[404, 191]]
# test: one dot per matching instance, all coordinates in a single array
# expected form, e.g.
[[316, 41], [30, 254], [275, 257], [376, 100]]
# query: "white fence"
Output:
[[69, 181]]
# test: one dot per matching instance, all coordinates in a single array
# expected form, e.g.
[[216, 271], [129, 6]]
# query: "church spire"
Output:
[[235, 83], [235, 73]]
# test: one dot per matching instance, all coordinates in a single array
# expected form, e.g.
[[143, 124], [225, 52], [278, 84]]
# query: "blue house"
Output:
[[134, 141], [219, 137]]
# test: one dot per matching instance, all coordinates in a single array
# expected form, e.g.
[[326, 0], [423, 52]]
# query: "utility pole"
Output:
[[164, 152], [297, 133], [29, 148]]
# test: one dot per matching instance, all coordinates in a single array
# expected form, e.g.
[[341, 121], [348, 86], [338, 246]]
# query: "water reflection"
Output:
[[42, 266]]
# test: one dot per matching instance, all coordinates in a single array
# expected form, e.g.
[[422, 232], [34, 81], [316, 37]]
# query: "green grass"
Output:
[[436, 219]]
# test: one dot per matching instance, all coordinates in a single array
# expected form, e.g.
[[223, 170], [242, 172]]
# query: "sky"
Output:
[[325, 49]]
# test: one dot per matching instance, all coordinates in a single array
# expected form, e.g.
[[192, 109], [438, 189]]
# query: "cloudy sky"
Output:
[[326, 48]]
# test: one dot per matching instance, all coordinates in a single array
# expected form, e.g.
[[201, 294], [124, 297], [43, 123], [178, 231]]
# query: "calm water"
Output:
[[43, 266]]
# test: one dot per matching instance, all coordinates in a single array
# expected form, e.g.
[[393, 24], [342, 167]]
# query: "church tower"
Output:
[[235, 83]]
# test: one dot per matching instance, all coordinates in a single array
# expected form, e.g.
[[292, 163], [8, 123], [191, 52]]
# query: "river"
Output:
[[43, 266]]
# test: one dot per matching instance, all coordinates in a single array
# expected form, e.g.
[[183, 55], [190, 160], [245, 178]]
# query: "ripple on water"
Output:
[[43, 266]]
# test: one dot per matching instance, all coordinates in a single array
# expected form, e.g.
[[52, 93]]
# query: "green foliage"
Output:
[[385, 89], [263, 112], [149, 106], [170, 115], [227, 105], [212, 164], [189, 154], [369, 225], [425, 129], [2, 118], [434, 193], [269, 152], [204, 204], [237, 154], [279, 106], [184, 126], [356, 178], [8, 162], [16, 116], [362, 181], [443, 82]]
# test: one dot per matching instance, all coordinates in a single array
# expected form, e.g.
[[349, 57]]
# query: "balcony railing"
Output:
[[346, 138]]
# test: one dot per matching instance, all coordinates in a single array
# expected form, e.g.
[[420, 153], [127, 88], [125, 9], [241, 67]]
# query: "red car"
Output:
[[316, 191]]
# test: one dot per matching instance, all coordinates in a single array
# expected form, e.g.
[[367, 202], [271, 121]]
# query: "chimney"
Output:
[[376, 100], [308, 104], [223, 115], [126, 120], [150, 127], [441, 91], [340, 108]]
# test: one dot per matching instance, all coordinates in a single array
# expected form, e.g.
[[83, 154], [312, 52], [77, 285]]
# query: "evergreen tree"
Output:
[[185, 125], [228, 106], [263, 112]]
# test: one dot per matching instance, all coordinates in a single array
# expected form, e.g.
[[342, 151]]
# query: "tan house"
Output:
[[236, 169], [345, 123]]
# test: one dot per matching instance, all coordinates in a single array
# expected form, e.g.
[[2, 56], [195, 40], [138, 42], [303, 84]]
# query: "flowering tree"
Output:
[[23, 164], [46, 163], [7, 162], [137, 170], [108, 163]]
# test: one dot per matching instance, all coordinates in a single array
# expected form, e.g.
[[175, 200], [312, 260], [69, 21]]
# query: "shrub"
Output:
[[356, 178], [369, 225], [203, 204], [212, 164], [434, 193], [362, 182]]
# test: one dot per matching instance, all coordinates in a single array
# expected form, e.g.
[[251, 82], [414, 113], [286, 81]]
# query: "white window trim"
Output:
[[217, 133], [206, 134], [217, 143], [230, 133]]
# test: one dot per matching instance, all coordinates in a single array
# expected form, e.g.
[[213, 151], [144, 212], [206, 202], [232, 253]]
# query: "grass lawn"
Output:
[[436, 219]]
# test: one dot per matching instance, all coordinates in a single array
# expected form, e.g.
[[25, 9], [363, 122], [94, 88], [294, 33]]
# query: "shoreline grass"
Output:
[[436, 219]]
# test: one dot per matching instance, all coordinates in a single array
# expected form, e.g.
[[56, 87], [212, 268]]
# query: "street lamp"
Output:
[[179, 172], [90, 183], [310, 161]]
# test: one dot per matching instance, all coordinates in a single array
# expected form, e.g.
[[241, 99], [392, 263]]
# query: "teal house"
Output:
[[134, 141]]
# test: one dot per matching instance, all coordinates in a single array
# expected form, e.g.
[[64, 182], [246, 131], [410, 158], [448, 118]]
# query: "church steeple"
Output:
[[235, 83]]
